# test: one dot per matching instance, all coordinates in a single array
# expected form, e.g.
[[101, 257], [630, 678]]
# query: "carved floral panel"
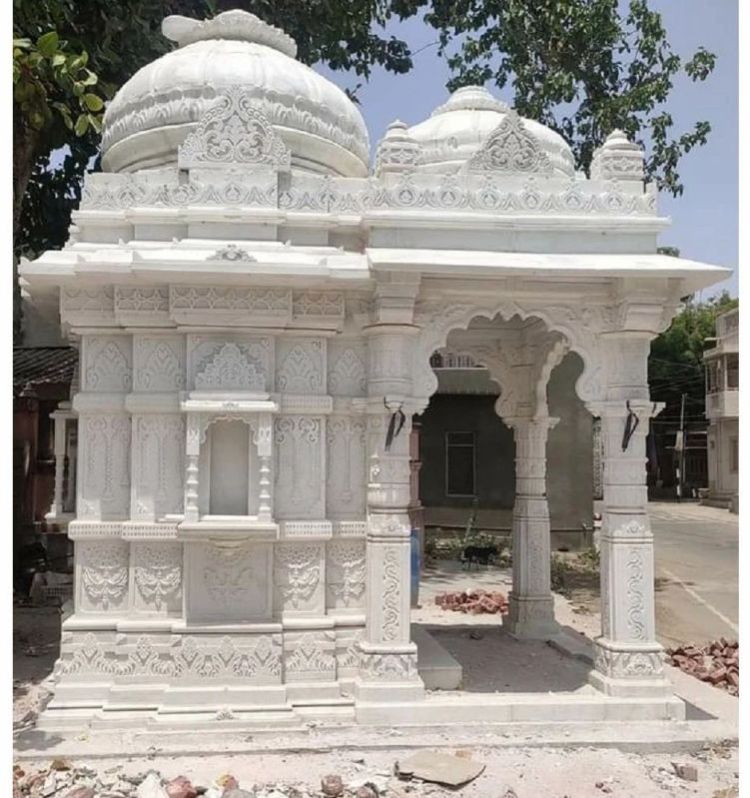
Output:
[[102, 575], [346, 569], [300, 365], [157, 574], [107, 366], [310, 656], [347, 372], [298, 577], [159, 363], [236, 363]]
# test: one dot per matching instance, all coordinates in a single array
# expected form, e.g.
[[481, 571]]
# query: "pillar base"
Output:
[[388, 675], [629, 670], [532, 617]]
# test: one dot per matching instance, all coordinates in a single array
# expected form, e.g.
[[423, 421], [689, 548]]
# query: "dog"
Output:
[[479, 555]]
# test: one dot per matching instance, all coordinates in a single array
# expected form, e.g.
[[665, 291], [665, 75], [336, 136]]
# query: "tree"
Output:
[[582, 67], [103, 44], [675, 364]]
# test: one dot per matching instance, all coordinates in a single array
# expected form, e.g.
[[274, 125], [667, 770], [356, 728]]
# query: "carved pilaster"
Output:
[[532, 613], [628, 659]]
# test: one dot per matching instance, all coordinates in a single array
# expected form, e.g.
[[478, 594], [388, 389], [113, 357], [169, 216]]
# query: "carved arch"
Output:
[[580, 328]]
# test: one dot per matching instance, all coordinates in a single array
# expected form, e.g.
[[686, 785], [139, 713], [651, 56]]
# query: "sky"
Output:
[[704, 218]]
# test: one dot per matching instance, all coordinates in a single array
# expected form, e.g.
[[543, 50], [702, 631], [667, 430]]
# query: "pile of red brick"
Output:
[[717, 663], [475, 601]]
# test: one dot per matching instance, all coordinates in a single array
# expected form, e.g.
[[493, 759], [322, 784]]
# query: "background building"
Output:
[[722, 409]]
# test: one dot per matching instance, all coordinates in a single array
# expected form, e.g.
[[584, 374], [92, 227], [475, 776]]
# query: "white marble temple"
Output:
[[254, 307]]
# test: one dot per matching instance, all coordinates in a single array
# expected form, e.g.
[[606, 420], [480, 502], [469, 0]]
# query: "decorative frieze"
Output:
[[310, 656], [250, 658]]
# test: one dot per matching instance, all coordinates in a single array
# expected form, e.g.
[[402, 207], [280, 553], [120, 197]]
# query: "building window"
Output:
[[460, 464], [712, 377], [734, 454], [733, 372]]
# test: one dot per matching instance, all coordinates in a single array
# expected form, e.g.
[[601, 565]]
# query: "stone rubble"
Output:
[[717, 663], [62, 780], [475, 601]]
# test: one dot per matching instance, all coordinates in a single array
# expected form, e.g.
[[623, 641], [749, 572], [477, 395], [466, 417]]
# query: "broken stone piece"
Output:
[[685, 771], [332, 785], [180, 787]]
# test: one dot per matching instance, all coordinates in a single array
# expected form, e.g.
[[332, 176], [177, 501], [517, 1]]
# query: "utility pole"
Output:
[[681, 466]]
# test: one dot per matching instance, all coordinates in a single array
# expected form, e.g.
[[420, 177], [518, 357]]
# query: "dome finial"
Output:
[[235, 24]]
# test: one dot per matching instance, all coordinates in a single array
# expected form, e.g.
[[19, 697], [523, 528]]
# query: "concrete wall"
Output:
[[569, 456], [723, 481]]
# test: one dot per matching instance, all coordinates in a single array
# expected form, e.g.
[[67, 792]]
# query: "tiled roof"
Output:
[[38, 365]]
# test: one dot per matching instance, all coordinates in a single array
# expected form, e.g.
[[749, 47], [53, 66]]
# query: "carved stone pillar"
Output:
[[60, 418], [628, 659], [192, 452], [532, 613], [388, 658]]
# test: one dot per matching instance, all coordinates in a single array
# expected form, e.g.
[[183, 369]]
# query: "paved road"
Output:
[[696, 551]]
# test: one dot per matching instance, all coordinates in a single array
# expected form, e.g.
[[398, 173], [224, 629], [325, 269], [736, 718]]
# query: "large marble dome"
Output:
[[152, 114]]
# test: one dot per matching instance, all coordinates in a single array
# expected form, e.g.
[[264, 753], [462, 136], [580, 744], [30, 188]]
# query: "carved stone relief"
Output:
[[346, 570], [104, 466], [102, 567], [237, 363], [157, 573], [346, 465], [299, 484], [159, 363], [347, 373], [108, 363], [298, 577], [228, 583], [310, 656], [159, 441], [300, 365]]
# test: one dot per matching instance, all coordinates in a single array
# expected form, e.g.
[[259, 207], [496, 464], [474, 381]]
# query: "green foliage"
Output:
[[582, 67], [676, 361]]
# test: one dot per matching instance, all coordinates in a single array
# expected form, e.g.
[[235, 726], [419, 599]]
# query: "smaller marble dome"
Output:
[[457, 130], [154, 112]]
